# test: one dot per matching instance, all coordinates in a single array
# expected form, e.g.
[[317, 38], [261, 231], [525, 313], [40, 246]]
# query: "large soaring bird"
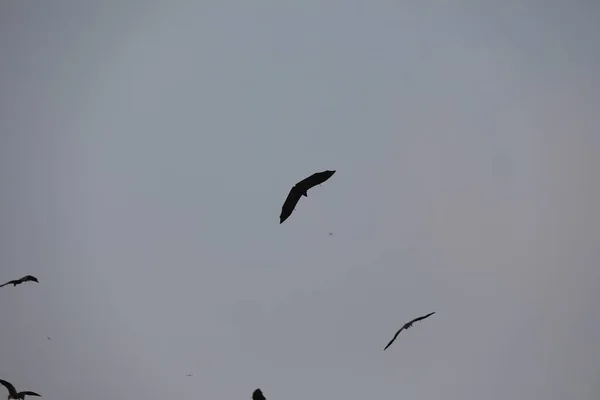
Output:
[[300, 189], [26, 278], [408, 325], [13, 394], [258, 395]]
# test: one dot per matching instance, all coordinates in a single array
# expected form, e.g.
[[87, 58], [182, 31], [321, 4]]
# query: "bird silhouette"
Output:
[[258, 395], [13, 394], [406, 326], [26, 278], [301, 189]]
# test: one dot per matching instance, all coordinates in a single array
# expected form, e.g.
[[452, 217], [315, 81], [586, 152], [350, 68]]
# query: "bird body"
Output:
[[406, 326], [12, 392], [301, 189], [258, 395], [26, 278]]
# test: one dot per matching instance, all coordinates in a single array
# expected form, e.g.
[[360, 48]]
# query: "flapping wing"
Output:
[[9, 386], [392, 341], [258, 395], [423, 317], [29, 394], [290, 203], [314, 180]]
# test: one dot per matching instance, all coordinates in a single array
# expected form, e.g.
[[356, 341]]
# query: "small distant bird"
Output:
[[330, 233], [406, 326], [189, 374], [300, 189], [12, 392], [48, 337], [258, 395], [26, 278]]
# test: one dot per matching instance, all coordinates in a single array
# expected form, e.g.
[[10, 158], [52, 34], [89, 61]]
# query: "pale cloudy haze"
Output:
[[146, 148]]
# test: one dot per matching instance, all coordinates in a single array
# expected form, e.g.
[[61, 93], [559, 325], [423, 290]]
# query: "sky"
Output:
[[146, 148]]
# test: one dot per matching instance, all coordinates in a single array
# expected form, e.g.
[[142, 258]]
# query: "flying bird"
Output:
[[258, 395], [13, 394], [406, 326], [300, 189], [26, 278]]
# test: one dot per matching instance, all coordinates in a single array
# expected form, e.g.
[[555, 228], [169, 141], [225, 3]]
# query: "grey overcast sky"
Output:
[[146, 148]]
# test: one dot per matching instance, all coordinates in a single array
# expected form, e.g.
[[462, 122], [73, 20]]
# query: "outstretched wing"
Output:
[[395, 336], [290, 203], [29, 278], [23, 394], [314, 180], [26, 278], [9, 386], [258, 395], [423, 317]]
